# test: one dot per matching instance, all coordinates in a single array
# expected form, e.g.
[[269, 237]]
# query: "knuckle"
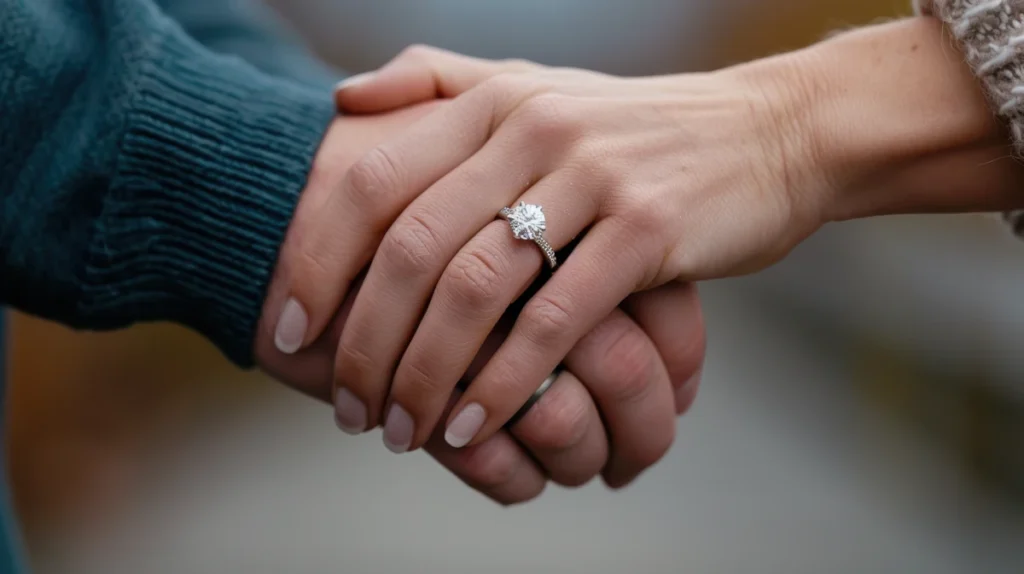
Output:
[[550, 117], [556, 425], [519, 65], [575, 478], [411, 245], [312, 263], [489, 467], [474, 277], [685, 357], [632, 364], [416, 385], [372, 180], [654, 449], [417, 52], [547, 318], [639, 213], [502, 85], [353, 367]]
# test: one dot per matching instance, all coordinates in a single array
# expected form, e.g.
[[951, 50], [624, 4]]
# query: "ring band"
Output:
[[528, 223], [543, 388]]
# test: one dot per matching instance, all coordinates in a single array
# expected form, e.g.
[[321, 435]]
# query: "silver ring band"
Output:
[[543, 388], [528, 223]]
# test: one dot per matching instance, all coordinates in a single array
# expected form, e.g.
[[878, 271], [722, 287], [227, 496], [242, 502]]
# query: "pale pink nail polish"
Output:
[[398, 429], [354, 80], [465, 425], [349, 412], [291, 327]]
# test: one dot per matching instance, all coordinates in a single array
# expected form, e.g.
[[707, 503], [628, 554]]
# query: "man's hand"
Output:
[[633, 363]]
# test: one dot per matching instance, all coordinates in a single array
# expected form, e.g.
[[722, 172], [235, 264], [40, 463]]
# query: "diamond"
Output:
[[527, 221]]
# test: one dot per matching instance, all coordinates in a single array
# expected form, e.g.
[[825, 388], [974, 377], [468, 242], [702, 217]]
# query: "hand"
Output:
[[562, 437], [672, 179]]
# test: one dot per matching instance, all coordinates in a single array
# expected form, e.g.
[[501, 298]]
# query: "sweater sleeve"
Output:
[[250, 30], [991, 35], [143, 176]]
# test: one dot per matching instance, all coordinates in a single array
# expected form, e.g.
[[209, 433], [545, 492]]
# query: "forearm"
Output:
[[896, 119]]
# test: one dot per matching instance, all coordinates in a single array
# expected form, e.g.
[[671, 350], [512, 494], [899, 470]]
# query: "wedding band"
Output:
[[528, 224], [543, 388]]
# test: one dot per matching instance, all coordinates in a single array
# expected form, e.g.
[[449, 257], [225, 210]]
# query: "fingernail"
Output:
[[465, 426], [349, 412], [291, 327], [398, 430], [354, 80]]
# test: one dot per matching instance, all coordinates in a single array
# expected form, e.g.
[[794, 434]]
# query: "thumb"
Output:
[[418, 74]]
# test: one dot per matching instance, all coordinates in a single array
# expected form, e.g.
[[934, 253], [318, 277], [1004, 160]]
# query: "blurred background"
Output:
[[862, 407]]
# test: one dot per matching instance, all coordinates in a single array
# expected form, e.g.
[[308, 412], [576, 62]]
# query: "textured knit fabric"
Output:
[[991, 35], [141, 162], [143, 176]]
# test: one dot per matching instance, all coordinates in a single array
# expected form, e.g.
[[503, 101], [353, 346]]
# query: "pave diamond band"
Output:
[[528, 224]]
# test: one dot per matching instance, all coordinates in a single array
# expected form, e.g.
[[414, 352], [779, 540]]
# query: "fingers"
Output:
[[418, 74], [564, 433], [482, 279], [400, 281], [631, 386], [671, 316], [499, 468], [337, 239], [606, 267]]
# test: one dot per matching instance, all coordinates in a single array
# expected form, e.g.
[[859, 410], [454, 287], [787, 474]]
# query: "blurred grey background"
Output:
[[861, 408]]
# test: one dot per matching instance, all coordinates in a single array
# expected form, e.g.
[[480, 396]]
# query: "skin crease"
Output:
[[563, 437], [675, 178]]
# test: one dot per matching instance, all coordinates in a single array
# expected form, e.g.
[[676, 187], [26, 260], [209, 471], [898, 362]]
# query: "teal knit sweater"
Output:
[[151, 155], [143, 176]]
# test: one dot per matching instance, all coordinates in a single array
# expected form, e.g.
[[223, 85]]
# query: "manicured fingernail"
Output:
[[349, 412], [355, 80], [291, 327], [398, 429], [465, 426]]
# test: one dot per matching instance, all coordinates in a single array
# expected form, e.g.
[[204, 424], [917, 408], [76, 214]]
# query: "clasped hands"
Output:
[[397, 280]]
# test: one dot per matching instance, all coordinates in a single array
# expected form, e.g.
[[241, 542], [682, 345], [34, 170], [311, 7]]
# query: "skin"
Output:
[[653, 343], [665, 179]]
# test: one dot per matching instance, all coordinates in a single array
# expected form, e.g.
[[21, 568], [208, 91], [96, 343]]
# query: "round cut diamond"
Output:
[[527, 221]]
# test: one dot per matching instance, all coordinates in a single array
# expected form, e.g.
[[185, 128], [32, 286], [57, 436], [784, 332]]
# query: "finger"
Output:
[[499, 468], [344, 230], [418, 74], [631, 386], [300, 253], [671, 316], [483, 278], [608, 265], [564, 433], [412, 256]]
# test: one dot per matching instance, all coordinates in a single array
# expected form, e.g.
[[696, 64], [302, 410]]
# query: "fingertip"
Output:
[[292, 326], [353, 81], [394, 86]]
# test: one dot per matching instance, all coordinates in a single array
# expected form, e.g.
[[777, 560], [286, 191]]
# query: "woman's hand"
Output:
[[577, 429], [661, 179]]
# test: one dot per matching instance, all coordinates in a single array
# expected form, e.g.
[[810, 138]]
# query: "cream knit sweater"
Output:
[[991, 35]]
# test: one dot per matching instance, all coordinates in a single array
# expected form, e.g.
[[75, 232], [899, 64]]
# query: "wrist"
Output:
[[868, 104]]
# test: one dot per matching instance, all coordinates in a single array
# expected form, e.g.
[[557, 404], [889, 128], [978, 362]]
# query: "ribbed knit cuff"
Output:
[[212, 165], [990, 34]]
